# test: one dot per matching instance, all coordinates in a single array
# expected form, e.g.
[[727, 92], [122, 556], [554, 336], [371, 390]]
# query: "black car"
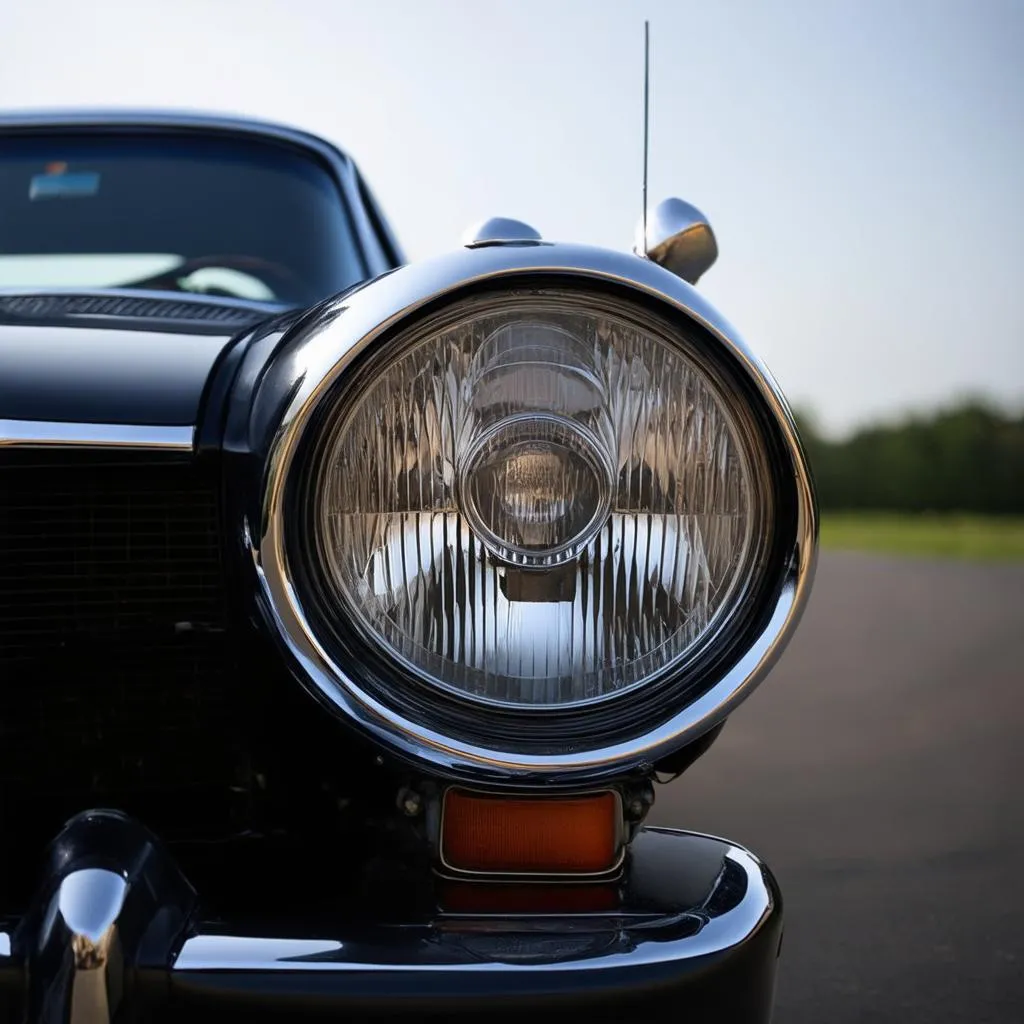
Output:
[[351, 609]]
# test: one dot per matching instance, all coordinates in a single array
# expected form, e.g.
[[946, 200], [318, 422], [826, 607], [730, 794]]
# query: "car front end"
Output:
[[346, 639]]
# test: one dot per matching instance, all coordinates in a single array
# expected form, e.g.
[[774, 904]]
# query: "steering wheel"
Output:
[[271, 273]]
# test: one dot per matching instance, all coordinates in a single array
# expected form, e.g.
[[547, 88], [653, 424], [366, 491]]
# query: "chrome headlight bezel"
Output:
[[356, 684]]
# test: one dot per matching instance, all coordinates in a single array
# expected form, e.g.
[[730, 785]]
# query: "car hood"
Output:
[[113, 358]]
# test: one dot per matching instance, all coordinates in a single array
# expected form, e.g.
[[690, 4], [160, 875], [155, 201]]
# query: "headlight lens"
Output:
[[536, 500]]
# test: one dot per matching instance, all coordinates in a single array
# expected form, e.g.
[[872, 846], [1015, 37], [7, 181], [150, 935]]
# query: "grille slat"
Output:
[[115, 661], [49, 306]]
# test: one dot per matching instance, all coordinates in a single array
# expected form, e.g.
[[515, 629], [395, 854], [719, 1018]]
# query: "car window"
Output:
[[198, 213]]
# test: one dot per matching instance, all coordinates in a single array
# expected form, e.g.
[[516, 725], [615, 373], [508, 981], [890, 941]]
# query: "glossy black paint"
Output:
[[143, 370], [377, 952], [728, 988], [123, 370]]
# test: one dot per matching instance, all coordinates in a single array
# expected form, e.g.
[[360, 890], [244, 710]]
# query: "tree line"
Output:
[[966, 458]]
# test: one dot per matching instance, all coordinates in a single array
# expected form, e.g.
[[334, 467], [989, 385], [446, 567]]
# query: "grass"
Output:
[[977, 538]]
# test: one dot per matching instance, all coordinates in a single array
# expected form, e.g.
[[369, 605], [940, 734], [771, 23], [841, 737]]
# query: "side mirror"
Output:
[[679, 238]]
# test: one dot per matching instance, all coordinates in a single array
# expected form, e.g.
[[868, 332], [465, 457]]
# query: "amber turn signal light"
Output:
[[500, 835]]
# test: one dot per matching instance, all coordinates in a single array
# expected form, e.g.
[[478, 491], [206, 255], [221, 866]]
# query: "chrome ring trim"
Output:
[[48, 434], [646, 945], [359, 320]]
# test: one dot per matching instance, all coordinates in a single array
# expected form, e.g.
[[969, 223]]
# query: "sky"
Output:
[[861, 162]]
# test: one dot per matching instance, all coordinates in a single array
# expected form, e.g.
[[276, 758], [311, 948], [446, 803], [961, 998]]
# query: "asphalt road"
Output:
[[878, 771]]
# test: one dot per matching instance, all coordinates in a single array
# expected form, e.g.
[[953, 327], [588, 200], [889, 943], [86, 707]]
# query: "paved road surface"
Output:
[[878, 770]]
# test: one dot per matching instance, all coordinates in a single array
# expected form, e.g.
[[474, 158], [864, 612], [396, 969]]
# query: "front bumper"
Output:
[[117, 933]]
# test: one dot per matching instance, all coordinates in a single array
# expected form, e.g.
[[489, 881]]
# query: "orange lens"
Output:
[[516, 835]]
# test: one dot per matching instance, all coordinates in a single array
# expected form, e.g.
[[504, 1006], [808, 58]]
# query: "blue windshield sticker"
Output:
[[64, 185]]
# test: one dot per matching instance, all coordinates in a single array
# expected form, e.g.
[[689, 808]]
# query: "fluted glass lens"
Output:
[[536, 490], [536, 500]]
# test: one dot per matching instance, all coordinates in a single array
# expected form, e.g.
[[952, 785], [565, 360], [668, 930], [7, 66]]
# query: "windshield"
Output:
[[195, 213]]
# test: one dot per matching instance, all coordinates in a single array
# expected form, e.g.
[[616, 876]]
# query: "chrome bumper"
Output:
[[116, 932]]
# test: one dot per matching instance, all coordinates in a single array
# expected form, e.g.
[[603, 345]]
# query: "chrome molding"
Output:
[[499, 231], [647, 943], [111, 901], [46, 434], [357, 323], [89, 903]]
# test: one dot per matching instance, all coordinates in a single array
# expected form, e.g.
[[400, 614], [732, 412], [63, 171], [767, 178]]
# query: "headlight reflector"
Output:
[[536, 500]]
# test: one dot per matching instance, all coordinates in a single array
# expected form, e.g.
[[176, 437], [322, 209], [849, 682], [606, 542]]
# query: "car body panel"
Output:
[[113, 369]]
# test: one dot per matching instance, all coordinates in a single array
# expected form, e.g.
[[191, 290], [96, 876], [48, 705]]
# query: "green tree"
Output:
[[965, 458]]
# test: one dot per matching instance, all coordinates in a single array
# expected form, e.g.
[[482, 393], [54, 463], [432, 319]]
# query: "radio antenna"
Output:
[[647, 133]]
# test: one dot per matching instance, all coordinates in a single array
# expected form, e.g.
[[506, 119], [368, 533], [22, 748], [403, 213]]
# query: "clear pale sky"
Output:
[[862, 162]]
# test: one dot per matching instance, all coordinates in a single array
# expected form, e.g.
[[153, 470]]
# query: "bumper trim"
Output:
[[84, 973], [693, 922], [111, 901], [611, 940]]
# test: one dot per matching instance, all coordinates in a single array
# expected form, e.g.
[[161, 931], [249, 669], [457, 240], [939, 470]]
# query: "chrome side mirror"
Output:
[[679, 238]]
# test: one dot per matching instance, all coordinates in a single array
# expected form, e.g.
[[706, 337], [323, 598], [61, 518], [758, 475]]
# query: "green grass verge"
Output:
[[938, 536]]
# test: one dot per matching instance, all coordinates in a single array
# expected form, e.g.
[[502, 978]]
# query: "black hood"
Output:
[[113, 357]]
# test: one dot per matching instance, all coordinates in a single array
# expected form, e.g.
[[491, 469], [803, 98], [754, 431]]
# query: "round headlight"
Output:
[[536, 500], [529, 512]]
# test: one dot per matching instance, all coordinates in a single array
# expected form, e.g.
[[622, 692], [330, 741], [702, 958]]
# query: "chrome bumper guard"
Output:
[[117, 933]]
